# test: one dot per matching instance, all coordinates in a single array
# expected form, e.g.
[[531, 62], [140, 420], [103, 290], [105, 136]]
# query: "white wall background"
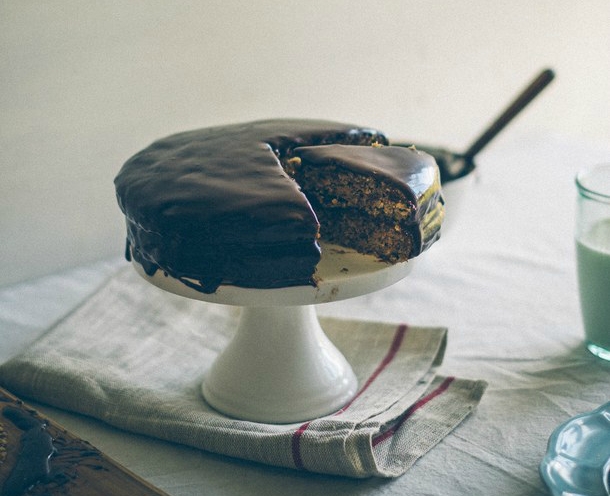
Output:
[[84, 85]]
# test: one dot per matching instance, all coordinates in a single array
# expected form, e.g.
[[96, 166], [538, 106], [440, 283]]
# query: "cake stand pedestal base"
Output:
[[280, 367]]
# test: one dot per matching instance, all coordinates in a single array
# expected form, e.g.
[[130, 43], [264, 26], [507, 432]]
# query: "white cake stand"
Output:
[[280, 367]]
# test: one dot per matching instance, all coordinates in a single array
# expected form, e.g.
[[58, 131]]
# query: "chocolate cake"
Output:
[[246, 204]]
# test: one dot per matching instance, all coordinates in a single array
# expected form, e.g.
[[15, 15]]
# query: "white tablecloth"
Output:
[[502, 279]]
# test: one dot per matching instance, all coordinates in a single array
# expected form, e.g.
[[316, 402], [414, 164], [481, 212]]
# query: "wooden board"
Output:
[[39, 454]]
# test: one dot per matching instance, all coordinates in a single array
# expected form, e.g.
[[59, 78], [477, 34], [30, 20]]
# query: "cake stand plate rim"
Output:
[[341, 274]]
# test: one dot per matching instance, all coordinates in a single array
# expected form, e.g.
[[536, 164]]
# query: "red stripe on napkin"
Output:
[[412, 409], [394, 347], [296, 446]]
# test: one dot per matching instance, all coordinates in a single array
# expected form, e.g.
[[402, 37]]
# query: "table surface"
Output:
[[502, 279]]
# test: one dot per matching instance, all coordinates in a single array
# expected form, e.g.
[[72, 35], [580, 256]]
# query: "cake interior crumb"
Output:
[[358, 211]]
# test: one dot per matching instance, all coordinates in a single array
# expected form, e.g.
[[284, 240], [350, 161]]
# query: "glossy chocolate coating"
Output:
[[215, 205], [228, 174]]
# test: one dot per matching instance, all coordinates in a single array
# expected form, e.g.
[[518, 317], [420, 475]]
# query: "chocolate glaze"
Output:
[[215, 206]]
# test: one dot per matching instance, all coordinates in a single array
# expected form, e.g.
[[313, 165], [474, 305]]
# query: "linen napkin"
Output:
[[134, 356]]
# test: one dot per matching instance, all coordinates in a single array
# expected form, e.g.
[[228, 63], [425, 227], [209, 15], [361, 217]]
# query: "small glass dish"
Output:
[[577, 461]]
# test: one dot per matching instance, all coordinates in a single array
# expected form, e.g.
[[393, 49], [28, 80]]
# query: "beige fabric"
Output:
[[134, 357]]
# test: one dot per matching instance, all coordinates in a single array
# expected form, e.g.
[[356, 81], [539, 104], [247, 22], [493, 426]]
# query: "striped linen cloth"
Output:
[[134, 356]]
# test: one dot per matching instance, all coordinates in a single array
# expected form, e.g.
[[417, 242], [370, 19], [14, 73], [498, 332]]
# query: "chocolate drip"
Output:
[[128, 251]]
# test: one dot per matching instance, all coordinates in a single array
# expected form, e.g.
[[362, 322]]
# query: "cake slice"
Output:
[[378, 200]]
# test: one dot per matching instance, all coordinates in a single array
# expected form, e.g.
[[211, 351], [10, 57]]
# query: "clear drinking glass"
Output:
[[593, 256]]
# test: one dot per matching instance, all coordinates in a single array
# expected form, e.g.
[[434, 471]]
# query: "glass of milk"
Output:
[[593, 256]]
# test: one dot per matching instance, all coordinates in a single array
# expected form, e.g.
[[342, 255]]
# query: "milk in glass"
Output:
[[593, 256]]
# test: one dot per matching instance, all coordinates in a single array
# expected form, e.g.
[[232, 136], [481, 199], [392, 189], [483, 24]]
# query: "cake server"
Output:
[[454, 165]]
